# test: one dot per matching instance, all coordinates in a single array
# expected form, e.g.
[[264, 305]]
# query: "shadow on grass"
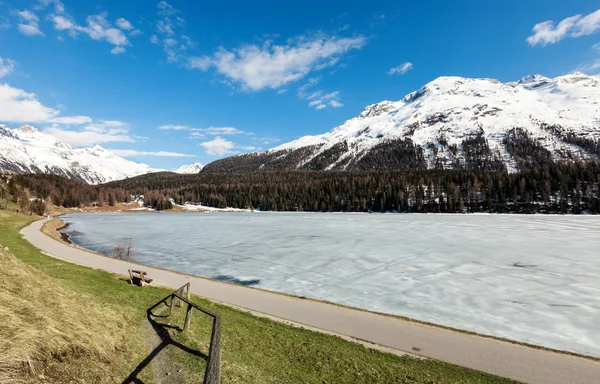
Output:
[[162, 330]]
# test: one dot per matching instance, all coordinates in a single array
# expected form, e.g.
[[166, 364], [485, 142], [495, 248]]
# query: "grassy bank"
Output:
[[113, 315]]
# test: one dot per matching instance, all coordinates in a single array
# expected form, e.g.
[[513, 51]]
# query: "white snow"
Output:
[[204, 208], [26, 149], [466, 107], [529, 278], [189, 168]]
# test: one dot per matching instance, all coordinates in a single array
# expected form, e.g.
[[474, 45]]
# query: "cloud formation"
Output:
[[319, 99], [19, 106], [104, 131], [30, 23], [271, 66], [548, 32], [202, 132], [218, 146], [135, 153], [7, 66], [401, 69], [97, 28], [170, 33]]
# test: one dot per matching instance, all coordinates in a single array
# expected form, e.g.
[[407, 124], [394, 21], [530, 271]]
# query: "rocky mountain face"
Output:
[[189, 168], [452, 122], [27, 150]]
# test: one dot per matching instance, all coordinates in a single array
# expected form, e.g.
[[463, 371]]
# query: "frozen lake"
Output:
[[534, 279]]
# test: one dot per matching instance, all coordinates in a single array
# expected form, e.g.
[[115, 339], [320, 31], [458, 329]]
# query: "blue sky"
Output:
[[171, 83]]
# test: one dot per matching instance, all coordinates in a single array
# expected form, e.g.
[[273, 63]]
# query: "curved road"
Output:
[[500, 358]]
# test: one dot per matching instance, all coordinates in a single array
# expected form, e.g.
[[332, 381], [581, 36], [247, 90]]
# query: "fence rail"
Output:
[[212, 374]]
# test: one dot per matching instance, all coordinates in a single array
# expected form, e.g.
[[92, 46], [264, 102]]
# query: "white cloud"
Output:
[[124, 24], [71, 120], [43, 4], [202, 63], [98, 28], [250, 148], [7, 66], [174, 127], [30, 23], [117, 50], [401, 69], [311, 82], [105, 131], [4, 22], [216, 131], [273, 66], [218, 147], [590, 67], [18, 106], [170, 33], [202, 132], [319, 100], [548, 32], [135, 153], [596, 46]]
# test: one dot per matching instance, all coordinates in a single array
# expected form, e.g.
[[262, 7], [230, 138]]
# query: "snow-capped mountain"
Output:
[[27, 150], [189, 168], [440, 116]]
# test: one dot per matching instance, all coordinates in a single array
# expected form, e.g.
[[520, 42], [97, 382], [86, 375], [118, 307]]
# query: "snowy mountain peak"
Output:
[[27, 150], [190, 168], [533, 79], [27, 129], [377, 109], [5, 131]]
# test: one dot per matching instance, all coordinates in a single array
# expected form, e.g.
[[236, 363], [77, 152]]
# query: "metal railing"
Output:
[[212, 374]]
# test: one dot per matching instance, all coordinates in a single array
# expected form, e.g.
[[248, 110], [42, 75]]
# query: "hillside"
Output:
[[548, 187], [450, 123], [27, 150]]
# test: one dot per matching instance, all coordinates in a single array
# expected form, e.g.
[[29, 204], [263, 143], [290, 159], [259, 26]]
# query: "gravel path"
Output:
[[489, 355]]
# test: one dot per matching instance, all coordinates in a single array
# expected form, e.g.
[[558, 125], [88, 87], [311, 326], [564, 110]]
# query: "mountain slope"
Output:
[[189, 168], [451, 122], [27, 150]]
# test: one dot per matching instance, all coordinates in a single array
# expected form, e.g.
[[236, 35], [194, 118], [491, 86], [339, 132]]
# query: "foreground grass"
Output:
[[254, 350]]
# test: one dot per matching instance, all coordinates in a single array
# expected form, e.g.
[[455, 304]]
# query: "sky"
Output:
[[178, 82]]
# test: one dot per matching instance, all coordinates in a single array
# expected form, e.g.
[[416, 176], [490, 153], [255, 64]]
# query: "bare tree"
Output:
[[123, 251]]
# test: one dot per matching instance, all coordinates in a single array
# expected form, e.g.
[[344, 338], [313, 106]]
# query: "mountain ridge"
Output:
[[27, 150], [438, 125]]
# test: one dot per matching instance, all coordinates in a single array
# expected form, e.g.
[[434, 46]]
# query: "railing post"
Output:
[[187, 291], [188, 318], [173, 298]]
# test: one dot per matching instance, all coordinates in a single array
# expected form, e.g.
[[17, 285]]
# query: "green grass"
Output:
[[254, 349]]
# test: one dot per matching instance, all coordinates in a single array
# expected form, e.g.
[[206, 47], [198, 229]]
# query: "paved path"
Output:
[[513, 361]]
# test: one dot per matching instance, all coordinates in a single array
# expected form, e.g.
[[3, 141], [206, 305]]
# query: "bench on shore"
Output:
[[139, 278]]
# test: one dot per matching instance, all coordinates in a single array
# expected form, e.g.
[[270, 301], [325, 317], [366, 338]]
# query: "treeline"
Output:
[[33, 192], [550, 188]]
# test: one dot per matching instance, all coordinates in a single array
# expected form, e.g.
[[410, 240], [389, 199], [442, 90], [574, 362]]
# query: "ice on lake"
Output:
[[534, 279]]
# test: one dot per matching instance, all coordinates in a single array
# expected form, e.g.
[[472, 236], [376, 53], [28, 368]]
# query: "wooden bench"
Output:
[[139, 278]]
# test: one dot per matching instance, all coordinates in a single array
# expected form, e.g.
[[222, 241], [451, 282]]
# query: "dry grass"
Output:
[[45, 325], [51, 228]]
